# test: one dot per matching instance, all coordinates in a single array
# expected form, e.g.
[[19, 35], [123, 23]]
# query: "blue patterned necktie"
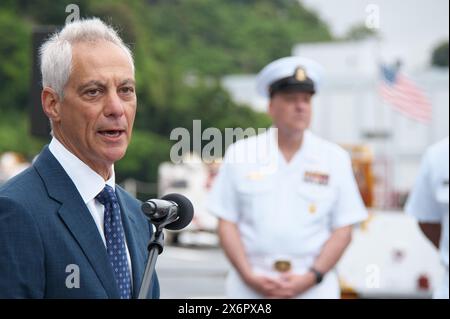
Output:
[[115, 241]]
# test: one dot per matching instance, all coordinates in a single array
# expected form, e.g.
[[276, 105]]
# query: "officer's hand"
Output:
[[291, 285], [262, 284]]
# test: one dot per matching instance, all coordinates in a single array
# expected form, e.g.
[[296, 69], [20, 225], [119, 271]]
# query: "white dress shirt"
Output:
[[429, 200], [88, 183], [286, 210]]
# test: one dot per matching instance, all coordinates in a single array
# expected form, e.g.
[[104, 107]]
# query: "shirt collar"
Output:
[[273, 131], [88, 183]]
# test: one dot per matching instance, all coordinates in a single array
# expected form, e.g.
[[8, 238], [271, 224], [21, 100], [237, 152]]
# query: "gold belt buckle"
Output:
[[282, 265]]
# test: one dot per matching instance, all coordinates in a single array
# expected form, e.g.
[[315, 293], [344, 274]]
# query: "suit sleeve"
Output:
[[155, 285], [22, 273]]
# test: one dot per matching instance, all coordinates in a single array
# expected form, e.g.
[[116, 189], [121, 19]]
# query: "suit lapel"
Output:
[[131, 230], [85, 231], [77, 218]]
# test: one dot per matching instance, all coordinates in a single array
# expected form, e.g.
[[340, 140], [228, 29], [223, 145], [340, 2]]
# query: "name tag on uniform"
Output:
[[315, 177]]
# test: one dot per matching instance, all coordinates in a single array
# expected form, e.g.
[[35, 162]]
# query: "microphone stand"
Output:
[[156, 246], [161, 215]]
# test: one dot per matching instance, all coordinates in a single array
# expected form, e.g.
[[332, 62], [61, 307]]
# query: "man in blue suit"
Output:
[[66, 229]]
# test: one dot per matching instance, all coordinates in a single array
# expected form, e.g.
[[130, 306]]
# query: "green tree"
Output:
[[15, 57], [440, 55], [360, 32], [15, 137], [182, 49], [222, 37]]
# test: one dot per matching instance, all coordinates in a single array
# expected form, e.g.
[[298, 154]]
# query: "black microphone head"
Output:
[[185, 211], [148, 208]]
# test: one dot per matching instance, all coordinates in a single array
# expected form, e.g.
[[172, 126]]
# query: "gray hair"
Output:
[[56, 52]]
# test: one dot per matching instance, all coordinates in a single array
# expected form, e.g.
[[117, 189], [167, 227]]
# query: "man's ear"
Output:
[[51, 103]]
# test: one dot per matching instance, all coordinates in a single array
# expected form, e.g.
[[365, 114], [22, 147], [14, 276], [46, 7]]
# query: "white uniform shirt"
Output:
[[88, 183], [429, 199], [285, 208]]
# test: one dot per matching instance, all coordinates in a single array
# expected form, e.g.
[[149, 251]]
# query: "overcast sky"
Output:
[[417, 24]]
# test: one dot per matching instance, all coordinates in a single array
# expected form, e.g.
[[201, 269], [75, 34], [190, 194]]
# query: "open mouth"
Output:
[[111, 133]]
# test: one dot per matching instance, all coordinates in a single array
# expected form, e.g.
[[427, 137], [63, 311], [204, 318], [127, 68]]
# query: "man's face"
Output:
[[291, 111], [96, 116]]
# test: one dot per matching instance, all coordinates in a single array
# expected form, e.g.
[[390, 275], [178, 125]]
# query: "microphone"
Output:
[[172, 211]]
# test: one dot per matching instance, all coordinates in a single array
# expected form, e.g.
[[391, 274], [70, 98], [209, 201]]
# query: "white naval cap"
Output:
[[289, 72]]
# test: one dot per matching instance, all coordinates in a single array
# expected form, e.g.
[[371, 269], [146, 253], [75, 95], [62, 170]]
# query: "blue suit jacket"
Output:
[[47, 234]]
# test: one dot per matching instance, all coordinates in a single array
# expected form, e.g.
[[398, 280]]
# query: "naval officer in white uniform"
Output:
[[429, 203], [286, 199]]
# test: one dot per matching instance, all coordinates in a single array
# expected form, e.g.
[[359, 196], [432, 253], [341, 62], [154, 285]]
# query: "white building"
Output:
[[348, 109]]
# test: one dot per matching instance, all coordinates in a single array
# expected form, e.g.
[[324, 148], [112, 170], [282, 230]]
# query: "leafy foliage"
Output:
[[440, 55], [182, 49]]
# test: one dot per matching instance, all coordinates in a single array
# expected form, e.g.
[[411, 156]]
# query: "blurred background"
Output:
[[198, 59]]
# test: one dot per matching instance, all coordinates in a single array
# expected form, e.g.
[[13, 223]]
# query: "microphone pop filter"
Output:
[[185, 211]]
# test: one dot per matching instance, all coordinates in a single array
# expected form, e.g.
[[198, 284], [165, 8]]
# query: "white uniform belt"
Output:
[[274, 265]]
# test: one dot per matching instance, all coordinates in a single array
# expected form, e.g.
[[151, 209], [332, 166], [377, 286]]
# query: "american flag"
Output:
[[406, 97]]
